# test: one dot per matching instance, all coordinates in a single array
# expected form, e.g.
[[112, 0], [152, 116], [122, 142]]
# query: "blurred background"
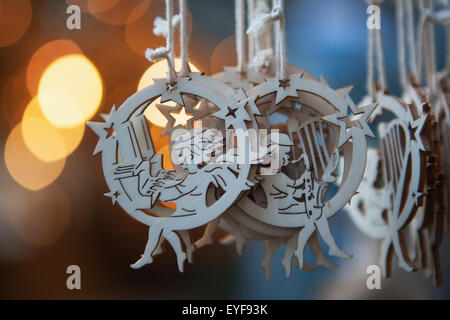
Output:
[[53, 213]]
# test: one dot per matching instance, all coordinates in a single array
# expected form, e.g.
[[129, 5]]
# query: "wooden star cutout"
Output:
[[180, 115], [181, 118], [233, 113], [173, 92], [285, 88], [109, 131], [417, 196], [104, 130], [113, 195], [416, 124], [284, 83]]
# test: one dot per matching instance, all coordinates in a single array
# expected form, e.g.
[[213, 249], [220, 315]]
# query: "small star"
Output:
[[103, 130], [284, 83], [352, 115], [417, 196], [181, 118], [113, 196], [109, 131], [412, 131], [172, 92], [231, 112], [416, 124]]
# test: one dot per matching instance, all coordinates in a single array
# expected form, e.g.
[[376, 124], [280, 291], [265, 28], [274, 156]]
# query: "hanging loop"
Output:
[[375, 47], [165, 52]]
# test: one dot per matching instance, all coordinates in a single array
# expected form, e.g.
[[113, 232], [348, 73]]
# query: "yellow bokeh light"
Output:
[[45, 141], [70, 91], [26, 169], [158, 70], [155, 116]]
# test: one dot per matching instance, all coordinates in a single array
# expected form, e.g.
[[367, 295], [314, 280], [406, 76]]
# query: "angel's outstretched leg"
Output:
[[159, 248], [185, 235], [228, 239], [154, 236], [303, 237], [413, 242], [321, 260], [386, 257], [270, 246], [403, 261], [306, 266], [174, 241], [236, 231], [324, 231], [291, 245], [206, 239]]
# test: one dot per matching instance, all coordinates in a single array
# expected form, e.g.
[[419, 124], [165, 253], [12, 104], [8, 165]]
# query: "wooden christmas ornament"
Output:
[[134, 172]]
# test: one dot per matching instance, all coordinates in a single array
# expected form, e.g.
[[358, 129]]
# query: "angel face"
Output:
[[279, 151]]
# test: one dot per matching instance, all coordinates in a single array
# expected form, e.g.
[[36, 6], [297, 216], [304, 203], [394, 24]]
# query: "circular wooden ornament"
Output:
[[383, 210], [133, 170], [295, 200]]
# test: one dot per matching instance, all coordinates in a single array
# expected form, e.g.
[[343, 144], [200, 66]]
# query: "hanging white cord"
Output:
[[410, 38], [276, 34], [169, 39], [423, 18], [370, 63], [432, 66], [401, 45], [250, 37], [447, 58], [375, 46], [425, 43], [258, 27], [184, 40], [281, 39], [240, 34], [165, 52], [261, 37], [380, 59]]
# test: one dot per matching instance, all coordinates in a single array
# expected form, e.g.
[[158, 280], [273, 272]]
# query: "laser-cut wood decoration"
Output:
[[385, 211], [443, 117], [134, 173], [428, 225], [288, 206]]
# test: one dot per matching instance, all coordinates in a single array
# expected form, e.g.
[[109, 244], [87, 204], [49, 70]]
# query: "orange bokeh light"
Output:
[[224, 55], [15, 18], [26, 169], [45, 141], [44, 56], [138, 40], [123, 12]]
